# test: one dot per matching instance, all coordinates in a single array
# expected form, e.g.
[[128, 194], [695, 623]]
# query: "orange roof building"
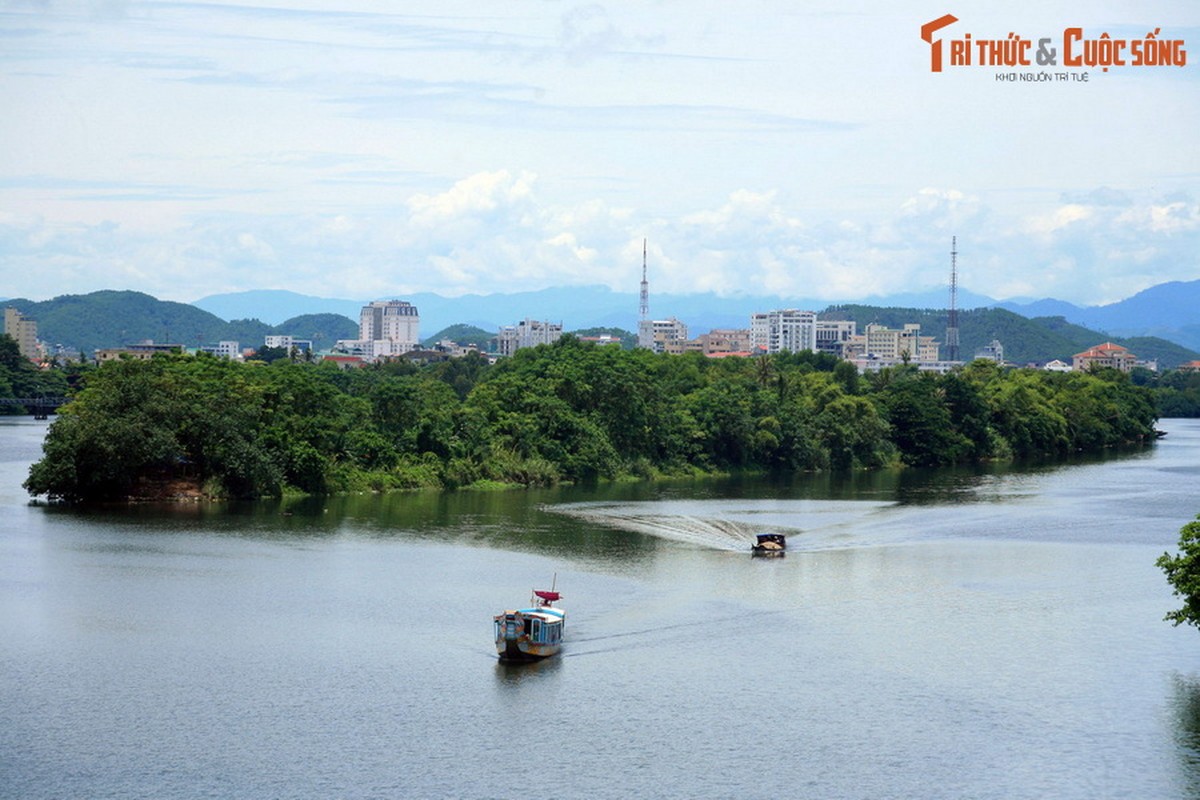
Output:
[[1104, 355]]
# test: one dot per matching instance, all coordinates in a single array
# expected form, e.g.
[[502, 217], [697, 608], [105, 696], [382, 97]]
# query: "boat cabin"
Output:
[[769, 544]]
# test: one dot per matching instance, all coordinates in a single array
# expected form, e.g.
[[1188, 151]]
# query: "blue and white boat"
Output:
[[533, 633]]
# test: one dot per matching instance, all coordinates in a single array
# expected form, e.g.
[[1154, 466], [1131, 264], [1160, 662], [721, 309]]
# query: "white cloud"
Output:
[[477, 195], [497, 224], [1060, 218], [353, 149]]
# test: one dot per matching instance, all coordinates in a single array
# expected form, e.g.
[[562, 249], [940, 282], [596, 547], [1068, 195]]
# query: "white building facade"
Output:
[[785, 329], [392, 321], [385, 328], [224, 349], [661, 335], [288, 342], [527, 333], [879, 347]]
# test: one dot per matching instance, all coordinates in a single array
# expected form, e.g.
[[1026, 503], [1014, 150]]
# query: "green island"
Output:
[[204, 427]]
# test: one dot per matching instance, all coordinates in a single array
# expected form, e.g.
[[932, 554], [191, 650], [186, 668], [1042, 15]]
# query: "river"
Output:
[[973, 633]]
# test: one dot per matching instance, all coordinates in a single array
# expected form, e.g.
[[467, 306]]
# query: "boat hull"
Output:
[[529, 634], [520, 652]]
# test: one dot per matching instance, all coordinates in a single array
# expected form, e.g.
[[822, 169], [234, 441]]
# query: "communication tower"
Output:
[[952, 318], [645, 308]]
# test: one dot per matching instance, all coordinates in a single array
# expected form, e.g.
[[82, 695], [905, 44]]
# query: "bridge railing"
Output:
[[39, 407]]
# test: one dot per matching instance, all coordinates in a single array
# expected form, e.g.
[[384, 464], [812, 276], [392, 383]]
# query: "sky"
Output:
[[364, 149]]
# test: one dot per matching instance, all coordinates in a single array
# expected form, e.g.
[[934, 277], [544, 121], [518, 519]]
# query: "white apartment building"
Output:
[[392, 321], [526, 333], [23, 330], [785, 329], [385, 328], [662, 335]]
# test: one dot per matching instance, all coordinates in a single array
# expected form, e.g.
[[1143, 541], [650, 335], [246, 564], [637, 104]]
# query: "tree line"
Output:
[[571, 411], [21, 378]]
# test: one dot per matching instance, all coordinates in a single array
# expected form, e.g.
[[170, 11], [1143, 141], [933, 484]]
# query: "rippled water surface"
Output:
[[985, 633]]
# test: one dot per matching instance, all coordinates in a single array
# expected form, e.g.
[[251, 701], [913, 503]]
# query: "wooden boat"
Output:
[[769, 544], [533, 633]]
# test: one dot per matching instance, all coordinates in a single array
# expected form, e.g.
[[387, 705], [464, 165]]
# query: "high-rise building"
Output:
[[393, 321], [785, 329], [385, 328], [23, 330]]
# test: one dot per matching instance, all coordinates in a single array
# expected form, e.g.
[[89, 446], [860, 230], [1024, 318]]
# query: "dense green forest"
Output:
[[571, 411], [1176, 392]]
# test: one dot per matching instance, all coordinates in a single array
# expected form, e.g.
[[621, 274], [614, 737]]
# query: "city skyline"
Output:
[[346, 150]]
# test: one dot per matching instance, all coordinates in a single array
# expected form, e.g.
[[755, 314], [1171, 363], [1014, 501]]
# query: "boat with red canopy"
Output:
[[533, 633]]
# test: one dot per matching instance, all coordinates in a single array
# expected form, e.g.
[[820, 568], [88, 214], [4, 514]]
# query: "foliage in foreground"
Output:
[[571, 411], [1183, 573]]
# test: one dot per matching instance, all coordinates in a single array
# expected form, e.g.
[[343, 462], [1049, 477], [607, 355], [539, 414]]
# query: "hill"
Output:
[[463, 334], [112, 318], [1024, 340], [89, 322], [1166, 311], [321, 329], [577, 307], [275, 306]]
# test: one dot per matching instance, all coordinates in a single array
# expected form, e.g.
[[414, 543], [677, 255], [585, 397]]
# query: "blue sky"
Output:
[[372, 149]]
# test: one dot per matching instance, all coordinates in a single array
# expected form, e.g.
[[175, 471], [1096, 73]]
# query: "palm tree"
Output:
[[764, 368]]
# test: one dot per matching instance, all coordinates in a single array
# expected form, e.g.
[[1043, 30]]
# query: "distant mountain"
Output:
[[275, 306], [576, 307], [86, 322], [1024, 340], [1168, 311], [89, 322], [321, 329], [1163, 321]]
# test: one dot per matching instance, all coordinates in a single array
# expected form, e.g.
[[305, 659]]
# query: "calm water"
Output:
[[951, 634]]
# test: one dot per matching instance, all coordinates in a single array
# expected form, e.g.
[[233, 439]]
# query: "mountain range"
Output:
[[1162, 322], [87, 322], [1169, 311]]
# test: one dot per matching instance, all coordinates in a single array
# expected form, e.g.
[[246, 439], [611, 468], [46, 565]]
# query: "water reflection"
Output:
[[1185, 713], [517, 676]]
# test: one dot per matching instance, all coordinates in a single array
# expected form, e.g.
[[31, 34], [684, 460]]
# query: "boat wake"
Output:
[[724, 524]]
